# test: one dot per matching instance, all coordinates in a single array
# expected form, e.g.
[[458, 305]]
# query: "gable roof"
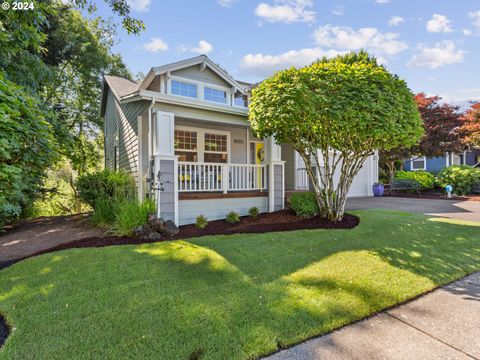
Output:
[[120, 86], [202, 59]]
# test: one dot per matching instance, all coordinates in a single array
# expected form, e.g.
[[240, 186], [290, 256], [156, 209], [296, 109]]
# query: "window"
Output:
[[240, 100], [184, 89], [215, 148], [186, 145], [419, 163], [215, 95]]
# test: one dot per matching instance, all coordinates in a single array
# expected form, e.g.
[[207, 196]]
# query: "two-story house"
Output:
[[183, 132]]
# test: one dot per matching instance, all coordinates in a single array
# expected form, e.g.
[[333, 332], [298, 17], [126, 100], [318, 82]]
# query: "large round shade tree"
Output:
[[335, 113]]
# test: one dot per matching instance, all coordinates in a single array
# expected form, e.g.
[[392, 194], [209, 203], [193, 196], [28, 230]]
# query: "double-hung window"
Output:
[[184, 89], [215, 148], [186, 145], [419, 163], [215, 95]]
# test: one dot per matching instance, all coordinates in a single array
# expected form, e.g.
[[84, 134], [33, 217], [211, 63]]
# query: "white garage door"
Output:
[[360, 185]]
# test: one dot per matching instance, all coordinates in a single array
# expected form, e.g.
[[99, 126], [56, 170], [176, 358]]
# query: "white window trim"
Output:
[[416, 158], [200, 90], [186, 81], [201, 142]]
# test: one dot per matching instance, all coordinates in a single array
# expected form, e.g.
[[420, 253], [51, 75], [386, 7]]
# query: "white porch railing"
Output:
[[302, 179], [199, 177]]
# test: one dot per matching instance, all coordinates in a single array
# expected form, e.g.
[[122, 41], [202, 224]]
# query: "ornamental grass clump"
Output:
[[232, 217]]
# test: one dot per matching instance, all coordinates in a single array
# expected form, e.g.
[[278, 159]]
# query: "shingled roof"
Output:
[[121, 86]]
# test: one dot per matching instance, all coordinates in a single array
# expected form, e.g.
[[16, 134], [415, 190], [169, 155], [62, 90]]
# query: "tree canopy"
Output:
[[347, 107]]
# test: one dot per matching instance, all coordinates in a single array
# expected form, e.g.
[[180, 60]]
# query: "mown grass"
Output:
[[235, 297]]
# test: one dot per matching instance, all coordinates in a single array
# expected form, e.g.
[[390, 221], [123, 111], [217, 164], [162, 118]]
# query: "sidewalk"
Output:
[[444, 324]]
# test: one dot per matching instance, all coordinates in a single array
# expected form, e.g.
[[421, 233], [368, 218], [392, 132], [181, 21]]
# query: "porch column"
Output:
[[276, 175], [166, 167]]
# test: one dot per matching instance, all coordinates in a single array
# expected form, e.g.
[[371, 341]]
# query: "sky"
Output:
[[433, 44]]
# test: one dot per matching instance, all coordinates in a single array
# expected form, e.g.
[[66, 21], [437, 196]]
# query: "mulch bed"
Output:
[[284, 220], [433, 196], [4, 330]]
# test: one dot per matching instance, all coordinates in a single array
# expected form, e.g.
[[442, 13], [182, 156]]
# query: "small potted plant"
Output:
[[378, 189]]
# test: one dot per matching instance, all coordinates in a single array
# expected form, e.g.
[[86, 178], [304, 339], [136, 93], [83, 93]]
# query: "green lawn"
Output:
[[235, 297]]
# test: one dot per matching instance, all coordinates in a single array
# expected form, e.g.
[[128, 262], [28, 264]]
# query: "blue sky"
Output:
[[433, 44]]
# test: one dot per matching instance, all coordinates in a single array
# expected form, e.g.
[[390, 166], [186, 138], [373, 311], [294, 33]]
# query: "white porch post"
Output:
[[276, 175], [166, 167], [225, 177]]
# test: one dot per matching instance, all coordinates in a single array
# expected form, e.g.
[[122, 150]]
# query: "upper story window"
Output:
[[184, 89], [241, 100], [215, 95]]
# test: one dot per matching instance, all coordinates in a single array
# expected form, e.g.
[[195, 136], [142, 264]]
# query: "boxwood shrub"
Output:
[[463, 178], [424, 178], [304, 204]]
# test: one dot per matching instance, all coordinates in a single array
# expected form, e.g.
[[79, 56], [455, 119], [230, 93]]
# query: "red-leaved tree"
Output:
[[471, 126], [444, 127]]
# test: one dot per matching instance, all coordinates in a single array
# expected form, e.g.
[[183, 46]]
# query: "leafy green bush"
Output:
[[424, 178], [253, 212], [463, 178], [232, 217], [27, 149], [201, 222], [131, 214], [105, 184], [304, 204]]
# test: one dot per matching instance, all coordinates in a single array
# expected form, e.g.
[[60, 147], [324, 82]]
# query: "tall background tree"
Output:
[[55, 58], [347, 107]]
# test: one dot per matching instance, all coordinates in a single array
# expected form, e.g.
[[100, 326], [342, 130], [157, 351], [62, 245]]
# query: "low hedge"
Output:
[[463, 178], [304, 204], [424, 178]]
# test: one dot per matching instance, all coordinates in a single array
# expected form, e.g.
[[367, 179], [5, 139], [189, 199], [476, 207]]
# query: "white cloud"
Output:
[[155, 44], [381, 2], [286, 11], [440, 54], [338, 10], [475, 17], [467, 32], [203, 47], [395, 21], [439, 24], [365, 38], [139, 5], [461, 97], [225, 3], [262, 65]]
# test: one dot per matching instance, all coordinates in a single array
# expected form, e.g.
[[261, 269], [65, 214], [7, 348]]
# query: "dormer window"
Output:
[[240, 100], [184, 89], [215, 95]]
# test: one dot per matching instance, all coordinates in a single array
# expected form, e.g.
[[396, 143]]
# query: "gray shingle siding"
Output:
[[121, 120]]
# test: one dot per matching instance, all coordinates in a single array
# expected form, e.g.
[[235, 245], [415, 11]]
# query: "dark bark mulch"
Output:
[[4, 330], [433, 195], [284, 220]]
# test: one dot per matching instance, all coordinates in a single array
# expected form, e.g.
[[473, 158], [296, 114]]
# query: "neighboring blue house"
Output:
[[437, 164]]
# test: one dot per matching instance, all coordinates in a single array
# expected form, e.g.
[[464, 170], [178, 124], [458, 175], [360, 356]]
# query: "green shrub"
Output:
[[105, 184], [253, 212], [462, 177], [104, 213], [232, 217], [201, 222], [424, 178], [131, 214], [304, 204]]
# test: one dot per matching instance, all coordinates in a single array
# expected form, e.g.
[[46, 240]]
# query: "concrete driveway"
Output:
[[454, 209]]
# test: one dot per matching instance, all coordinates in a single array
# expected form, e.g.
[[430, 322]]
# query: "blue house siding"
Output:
[[472, 158], [434, 165]]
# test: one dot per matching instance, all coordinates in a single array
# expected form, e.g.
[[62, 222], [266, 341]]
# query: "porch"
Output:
[[201, 167]]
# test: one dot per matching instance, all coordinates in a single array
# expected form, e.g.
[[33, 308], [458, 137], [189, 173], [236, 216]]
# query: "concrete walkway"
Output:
[[454, 209], [444, 324]]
